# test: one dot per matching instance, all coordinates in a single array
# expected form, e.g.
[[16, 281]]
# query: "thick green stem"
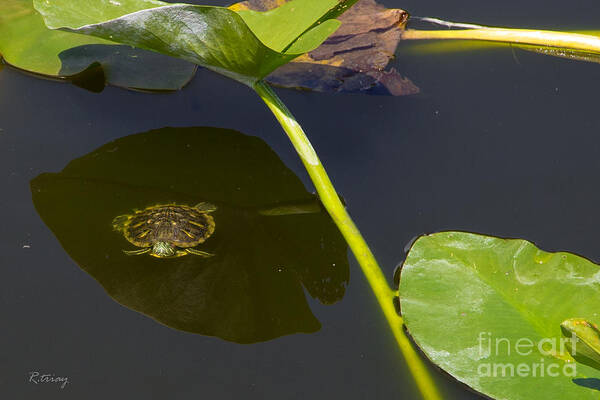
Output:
[[571, 41], [359, 247]]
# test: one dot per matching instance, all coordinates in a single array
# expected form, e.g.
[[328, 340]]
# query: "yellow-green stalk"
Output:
[[358, 246], [564, 40]]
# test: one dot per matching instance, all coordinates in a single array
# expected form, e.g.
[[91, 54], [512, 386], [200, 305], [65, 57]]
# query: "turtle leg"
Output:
[[199, 253], [137, 252], [205, 207], [118, 223], [180, 253]]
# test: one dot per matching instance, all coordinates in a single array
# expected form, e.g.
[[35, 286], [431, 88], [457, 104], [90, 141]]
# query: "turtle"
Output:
[[167, 230]]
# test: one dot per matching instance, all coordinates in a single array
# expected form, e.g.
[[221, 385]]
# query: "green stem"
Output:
[[572, 41], [359, 247]]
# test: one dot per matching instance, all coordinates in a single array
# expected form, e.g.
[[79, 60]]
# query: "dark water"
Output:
[[499, 142]]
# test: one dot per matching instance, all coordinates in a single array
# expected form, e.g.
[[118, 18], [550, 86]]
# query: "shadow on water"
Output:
[[92, 66], [591, 383], [271, 241]]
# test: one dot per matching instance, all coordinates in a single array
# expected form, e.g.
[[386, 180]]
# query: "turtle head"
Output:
[[163, 250]]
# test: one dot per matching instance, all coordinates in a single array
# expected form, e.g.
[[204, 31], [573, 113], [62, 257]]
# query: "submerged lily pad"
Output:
[[353, 59], [271, 238], [245, 46], [488, 311], [27, 44]]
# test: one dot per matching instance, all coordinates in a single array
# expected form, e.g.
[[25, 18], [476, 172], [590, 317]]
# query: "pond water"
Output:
[[501, 142]]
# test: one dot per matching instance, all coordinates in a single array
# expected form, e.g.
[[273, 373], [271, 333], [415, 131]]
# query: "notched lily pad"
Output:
[[353, 59], [27, 44], [487, 310], [271, 241]]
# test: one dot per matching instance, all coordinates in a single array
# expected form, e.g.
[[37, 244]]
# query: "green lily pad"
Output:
[[245, 46], [488, 311], [272, 241], [27, 44]]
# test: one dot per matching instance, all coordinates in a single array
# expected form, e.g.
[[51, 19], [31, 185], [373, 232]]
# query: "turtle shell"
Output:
[[179, 225]]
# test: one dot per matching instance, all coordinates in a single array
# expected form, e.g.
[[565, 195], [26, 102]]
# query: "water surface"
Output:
[[498, 142]]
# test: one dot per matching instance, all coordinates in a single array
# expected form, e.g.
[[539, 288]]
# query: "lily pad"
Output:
[[488, 311], [272, 241], [354, 59], [27, 44], [245, 46]]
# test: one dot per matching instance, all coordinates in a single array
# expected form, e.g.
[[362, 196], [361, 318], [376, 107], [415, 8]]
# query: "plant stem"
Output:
[[572, 41], [359, 247]]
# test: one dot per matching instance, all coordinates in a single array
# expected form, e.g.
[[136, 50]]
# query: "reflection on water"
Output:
[[271, 240], [119, 65]]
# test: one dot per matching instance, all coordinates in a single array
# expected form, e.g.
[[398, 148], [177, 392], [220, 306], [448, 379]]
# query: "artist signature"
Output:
[[37, 378]]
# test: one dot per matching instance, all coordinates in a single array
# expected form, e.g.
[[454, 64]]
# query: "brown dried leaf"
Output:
[[353, 59]]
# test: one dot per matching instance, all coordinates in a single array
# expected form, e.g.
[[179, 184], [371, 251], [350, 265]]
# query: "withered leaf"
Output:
[[353, 59]]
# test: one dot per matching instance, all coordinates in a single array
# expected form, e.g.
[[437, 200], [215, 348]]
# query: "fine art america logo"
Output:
[[38, 378], [548, 349]]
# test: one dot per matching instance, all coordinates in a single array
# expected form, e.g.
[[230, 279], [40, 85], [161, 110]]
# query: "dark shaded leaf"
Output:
[[353, 59]]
